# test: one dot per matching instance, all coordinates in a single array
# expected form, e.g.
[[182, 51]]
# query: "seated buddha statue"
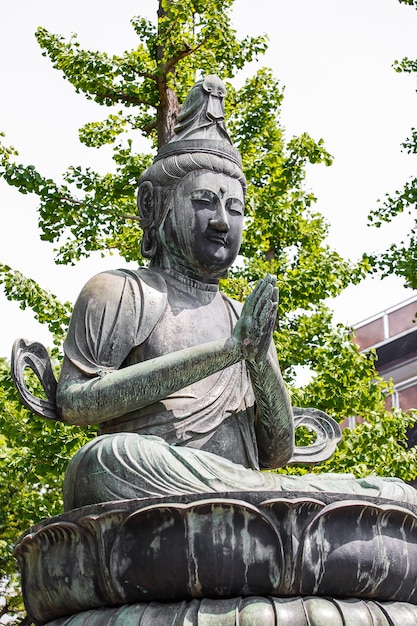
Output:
[[184, 382]]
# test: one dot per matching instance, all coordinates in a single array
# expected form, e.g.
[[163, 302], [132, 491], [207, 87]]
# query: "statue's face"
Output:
[[203, 228]]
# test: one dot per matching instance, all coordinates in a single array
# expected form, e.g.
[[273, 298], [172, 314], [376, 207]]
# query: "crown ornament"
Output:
[[200, 124]]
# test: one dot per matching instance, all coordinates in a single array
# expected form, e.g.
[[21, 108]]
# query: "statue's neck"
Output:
[[191, 281], [189, 277]]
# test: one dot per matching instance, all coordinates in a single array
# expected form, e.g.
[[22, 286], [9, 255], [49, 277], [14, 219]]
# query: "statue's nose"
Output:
[[220, 221]]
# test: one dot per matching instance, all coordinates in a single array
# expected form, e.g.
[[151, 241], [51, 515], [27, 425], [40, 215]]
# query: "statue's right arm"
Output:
[[84, 400], [113, 314], [274, 424], [103, 393], [95, 387]]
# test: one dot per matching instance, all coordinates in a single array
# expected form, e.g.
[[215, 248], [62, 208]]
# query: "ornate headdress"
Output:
[[200, 125], [200, 142]]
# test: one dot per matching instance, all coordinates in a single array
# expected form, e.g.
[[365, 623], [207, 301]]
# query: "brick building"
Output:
[[393, 334]]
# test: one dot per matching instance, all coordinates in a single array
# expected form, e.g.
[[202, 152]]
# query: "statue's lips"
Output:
[[219, 239]]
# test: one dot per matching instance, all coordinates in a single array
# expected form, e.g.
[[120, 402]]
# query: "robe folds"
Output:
[[166, 448]]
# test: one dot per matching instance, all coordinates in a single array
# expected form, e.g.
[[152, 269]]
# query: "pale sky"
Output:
[[334, 59]]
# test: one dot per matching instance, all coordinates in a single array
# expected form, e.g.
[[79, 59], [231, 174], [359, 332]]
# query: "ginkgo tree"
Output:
[[399, 259], [87, 211]]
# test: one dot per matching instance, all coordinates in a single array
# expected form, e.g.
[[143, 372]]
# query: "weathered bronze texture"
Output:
[[252, 611], [233, 545], [177, 523], [159, 355]]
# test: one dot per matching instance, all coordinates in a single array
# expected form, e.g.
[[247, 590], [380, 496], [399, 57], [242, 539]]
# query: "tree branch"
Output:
[[131, 217], [147, 75], [169, 65], [150, 127], [70, 200], [115, 97], [80, 203]]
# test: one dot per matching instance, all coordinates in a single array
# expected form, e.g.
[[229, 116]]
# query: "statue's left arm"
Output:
[[274, 418], [274, 423]]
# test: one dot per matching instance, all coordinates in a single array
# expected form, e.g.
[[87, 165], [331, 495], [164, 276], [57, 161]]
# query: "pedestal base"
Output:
[[253, 611], [193, 559]]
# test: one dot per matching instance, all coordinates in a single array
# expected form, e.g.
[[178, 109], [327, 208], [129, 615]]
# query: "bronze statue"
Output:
[[185, 386], [161, 351], [184, 382]]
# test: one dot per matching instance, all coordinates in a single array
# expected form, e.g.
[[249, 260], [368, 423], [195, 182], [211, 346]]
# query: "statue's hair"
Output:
[[157, 184]]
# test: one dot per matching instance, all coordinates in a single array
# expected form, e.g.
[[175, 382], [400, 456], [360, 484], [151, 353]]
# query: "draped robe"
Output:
[[200, 439]]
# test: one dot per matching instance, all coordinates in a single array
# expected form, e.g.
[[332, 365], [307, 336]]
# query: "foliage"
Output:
[[377, 443], [88, 211], [33, 456], [47, 309], [400, 258]]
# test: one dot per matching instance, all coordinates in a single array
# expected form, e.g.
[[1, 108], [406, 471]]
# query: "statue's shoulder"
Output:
[[149, 279], [115, 311], [146, 277], [143, 290], [144, 285]]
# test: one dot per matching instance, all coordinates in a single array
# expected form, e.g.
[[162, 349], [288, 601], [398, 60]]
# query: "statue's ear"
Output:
[[146, 203]]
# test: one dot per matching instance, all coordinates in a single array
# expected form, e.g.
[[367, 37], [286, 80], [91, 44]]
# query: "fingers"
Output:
[[267, 317], [266, 292], [254, 329], [253, 298], [263, 301]]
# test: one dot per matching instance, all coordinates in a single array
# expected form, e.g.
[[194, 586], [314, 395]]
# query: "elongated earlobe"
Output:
[[147, 218], [145, 200]]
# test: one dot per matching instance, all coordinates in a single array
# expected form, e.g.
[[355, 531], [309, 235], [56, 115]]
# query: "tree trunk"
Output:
[[167, 114], [169, 106]]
